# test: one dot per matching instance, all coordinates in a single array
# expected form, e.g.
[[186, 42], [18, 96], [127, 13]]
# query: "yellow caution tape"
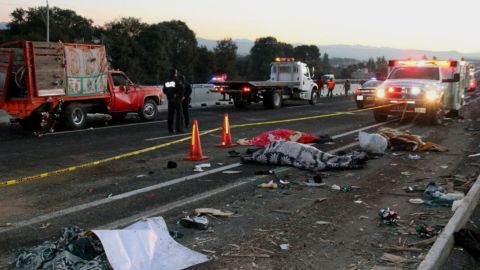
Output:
[[164, 145]]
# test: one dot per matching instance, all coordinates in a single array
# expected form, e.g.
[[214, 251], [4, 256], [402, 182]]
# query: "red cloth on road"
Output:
[[277, 135]]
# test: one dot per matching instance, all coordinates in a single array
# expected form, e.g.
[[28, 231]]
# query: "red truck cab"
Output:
[[40, 81]]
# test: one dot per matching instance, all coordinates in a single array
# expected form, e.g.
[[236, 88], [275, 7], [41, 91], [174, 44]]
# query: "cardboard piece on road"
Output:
[[146, 245], [213, 212]]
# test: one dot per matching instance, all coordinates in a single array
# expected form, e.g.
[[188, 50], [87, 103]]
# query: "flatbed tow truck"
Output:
[[289, 79]]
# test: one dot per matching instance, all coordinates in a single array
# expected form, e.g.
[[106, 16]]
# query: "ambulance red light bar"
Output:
[[280, 59], [422, 63]]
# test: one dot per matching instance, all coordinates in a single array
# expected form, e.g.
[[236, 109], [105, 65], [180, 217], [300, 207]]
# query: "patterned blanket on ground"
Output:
[[74, 250], [304, 157]]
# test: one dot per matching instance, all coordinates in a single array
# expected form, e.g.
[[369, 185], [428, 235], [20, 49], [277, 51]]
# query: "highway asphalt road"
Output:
[[119, 192]]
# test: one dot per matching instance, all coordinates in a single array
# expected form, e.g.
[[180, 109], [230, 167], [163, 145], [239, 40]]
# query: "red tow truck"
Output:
[[40, 81]]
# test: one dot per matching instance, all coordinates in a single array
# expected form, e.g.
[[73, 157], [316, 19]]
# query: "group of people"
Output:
[[331, 86], [178, 92]]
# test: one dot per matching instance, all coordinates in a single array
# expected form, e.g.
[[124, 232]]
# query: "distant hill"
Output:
[[3, 25], [355, 51]]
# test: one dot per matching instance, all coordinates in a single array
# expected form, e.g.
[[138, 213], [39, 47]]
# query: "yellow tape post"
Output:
[[164, 145]]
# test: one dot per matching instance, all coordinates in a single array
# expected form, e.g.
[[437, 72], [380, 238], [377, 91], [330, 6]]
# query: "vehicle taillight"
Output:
[[391, 90], [220, 89], [358, 92], [246, 90]]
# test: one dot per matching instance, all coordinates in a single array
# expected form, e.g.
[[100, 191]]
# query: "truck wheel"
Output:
[[149, 110], [240, 104], [380, 116], [273, 100], [75, 116], [315, 97], [360, 105]]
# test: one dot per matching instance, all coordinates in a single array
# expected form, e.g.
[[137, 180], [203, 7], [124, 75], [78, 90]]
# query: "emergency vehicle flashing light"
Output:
[[219, 78], [280, 59], [423, 63]]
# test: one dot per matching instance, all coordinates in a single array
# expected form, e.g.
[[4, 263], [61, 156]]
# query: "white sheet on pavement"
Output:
[[146, 245]]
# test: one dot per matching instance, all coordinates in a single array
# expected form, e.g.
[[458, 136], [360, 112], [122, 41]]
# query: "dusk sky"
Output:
[[405, 24]]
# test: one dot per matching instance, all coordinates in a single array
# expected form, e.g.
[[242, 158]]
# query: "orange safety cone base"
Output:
[[227, 146], [195, 158]]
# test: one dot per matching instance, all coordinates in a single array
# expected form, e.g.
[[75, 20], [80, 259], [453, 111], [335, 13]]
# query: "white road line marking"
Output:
[[109, 127], [77, 208]]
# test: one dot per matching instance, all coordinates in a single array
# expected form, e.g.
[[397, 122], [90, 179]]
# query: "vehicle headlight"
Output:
[[415, 91], [431, 95], [380, 92]]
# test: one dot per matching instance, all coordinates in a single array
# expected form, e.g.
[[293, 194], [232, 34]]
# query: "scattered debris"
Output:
[[414, 157], [426, 232], [316, 181], [199, 222], [346, 189], [388, 216], [406, 173], [474, 155], [200, 167], [176, 234], [233, 153], [172, 164], [432, 188], [393, 258], [285, 247], [269, 185], [320, 200], [264, 172], [423, 243], [444, 166], [109, 195], [335, 187], [141, 176], [213, 212], [323, 223], [280, 211]]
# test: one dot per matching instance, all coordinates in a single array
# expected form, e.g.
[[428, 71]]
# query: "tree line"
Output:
[[148, 51]]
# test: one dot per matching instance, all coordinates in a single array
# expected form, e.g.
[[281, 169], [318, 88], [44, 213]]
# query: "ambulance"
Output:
[[425, 88]]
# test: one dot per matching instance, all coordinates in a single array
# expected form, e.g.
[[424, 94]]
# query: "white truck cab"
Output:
[[289, 70], [428, 87]]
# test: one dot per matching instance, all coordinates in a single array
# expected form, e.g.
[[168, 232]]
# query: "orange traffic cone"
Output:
[[195, 146], [226, 135]]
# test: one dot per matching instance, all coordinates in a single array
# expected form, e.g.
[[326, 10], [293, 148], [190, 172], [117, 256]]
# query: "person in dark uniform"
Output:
[[186, 100], [174, 90]]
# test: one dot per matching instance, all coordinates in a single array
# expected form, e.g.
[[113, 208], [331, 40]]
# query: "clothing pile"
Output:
[[284, 135], [304, 157], [401, 140], [74, 250]]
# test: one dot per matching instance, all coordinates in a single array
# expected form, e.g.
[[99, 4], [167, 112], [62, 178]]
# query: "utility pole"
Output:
[[48, 23]]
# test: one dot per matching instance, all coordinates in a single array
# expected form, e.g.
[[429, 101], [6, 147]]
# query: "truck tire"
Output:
[[380, 116], [240, 104], [315, 97], [149, 110], [273, 100], [75, 116]]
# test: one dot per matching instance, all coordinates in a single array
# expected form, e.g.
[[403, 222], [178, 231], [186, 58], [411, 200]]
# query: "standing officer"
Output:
[[346, 86], [174, 90], [331, 86], [186, 100]]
